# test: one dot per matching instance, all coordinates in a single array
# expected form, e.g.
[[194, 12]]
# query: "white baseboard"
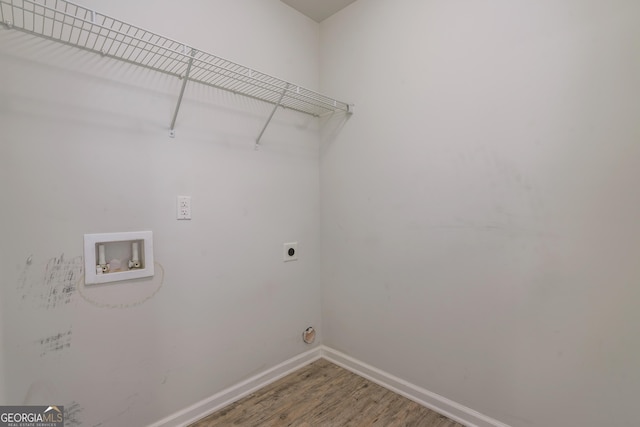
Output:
[[238, 391], [440, 404], [428, 399]]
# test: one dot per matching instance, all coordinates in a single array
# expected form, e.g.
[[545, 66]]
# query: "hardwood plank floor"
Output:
[[323, 394]]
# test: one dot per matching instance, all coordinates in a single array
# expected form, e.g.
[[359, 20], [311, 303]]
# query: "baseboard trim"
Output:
[[440, 404], [238, 391], [426, 398]]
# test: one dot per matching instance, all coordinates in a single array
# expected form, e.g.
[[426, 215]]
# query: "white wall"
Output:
[[4, 267], [480, 233], [85, 148], [479, 211]]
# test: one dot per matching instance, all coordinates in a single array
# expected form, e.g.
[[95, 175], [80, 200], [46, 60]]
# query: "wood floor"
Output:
[[324, 394]]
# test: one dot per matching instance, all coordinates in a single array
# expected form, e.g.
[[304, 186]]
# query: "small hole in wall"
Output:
[[309, 335]]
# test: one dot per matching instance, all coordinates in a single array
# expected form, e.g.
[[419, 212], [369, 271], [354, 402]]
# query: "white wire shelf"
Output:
[[86, 29]]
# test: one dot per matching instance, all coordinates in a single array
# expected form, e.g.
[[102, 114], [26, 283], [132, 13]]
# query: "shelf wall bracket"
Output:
[[172, 132], [271, 116]]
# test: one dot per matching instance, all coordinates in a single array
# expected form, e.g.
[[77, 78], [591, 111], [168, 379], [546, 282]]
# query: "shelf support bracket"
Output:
[[271, 115], [172, 132]]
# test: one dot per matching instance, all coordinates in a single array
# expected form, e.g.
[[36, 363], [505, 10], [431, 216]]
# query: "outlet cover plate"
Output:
[[183, 207]]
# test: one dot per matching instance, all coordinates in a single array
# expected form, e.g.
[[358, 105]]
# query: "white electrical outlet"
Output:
[[290, 252], [183, 207]]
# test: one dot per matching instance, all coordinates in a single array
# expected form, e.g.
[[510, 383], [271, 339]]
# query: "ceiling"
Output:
[[318, 10]]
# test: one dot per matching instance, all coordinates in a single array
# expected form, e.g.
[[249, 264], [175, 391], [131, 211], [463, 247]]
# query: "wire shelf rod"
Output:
[[120, 37], [75, 25]]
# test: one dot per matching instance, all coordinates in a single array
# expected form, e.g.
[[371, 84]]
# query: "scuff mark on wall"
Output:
[[56, 288], [165, 377], [55, 343]]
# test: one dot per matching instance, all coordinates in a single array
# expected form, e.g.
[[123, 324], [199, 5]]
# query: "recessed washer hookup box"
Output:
[[111, 257]]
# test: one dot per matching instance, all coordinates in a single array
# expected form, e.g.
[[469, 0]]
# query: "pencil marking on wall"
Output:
[[72, 414], [52, 288], [55, 343], [22, 279], [155, 286], [60, 279]]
